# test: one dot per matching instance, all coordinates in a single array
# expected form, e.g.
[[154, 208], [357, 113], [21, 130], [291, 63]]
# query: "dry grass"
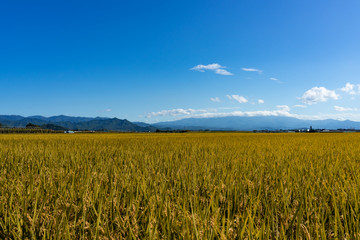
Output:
[[180, 186]]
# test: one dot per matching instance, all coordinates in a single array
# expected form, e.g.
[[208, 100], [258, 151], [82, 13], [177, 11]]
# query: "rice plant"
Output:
[[180, 186]]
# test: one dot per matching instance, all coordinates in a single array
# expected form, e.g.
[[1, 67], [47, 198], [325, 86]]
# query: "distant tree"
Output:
[[1, 125], [30, 125], [51, 126]]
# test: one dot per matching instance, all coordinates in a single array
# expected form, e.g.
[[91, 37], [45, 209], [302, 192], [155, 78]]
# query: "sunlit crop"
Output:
[[180, 186]]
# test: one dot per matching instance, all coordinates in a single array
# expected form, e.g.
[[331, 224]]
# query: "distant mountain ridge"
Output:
[[64, 118], [255, 123], [63, 122]]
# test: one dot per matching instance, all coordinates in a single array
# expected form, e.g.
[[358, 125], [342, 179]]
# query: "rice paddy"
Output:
[[180, 186]]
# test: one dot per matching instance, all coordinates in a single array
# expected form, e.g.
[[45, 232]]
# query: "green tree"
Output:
[[30, 125]]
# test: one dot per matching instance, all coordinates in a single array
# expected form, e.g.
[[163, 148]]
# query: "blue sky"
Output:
[[162, 60]]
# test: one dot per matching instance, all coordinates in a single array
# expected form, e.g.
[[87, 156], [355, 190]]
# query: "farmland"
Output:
[[180, 186]]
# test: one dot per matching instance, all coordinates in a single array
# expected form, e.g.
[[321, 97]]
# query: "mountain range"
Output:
[[255, 123], [63, 122], [75, 123]]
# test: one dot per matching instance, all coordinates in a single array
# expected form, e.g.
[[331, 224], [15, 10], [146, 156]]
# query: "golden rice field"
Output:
[[180, 186]]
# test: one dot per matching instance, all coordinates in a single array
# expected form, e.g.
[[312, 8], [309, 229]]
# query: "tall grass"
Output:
[[180, 186]]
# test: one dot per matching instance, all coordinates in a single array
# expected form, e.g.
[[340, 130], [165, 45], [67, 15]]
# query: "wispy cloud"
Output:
[[206, 113], [344, 109], [252, 70], [104, 110], [275, 80], [260, 101], [299, 106], [223, 72], [247, 114], [318, 94], [215, 67], [351, 89], [284, 108], [281, 111], [215, 99], [176, 112], [228, 108], [237, 98]]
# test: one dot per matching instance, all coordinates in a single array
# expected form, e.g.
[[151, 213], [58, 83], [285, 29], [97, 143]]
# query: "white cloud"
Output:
[[202, 113], [318, 94], [284, 108], [175, 112], [275, 80], [238, 98], [217, 68], [247, 114], [281, 111], [223, 72], [344, 109], [260, 101], [252, 70], [351, 89], [215, 99], [202, 68], [228, 108], [278, 113], [104, 110], [300, 106]]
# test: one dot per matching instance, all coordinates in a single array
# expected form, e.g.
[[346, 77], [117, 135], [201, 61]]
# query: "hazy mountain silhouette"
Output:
[[255, 123]]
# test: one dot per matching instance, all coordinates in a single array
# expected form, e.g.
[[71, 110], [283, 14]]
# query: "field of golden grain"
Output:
[[180, 186]]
